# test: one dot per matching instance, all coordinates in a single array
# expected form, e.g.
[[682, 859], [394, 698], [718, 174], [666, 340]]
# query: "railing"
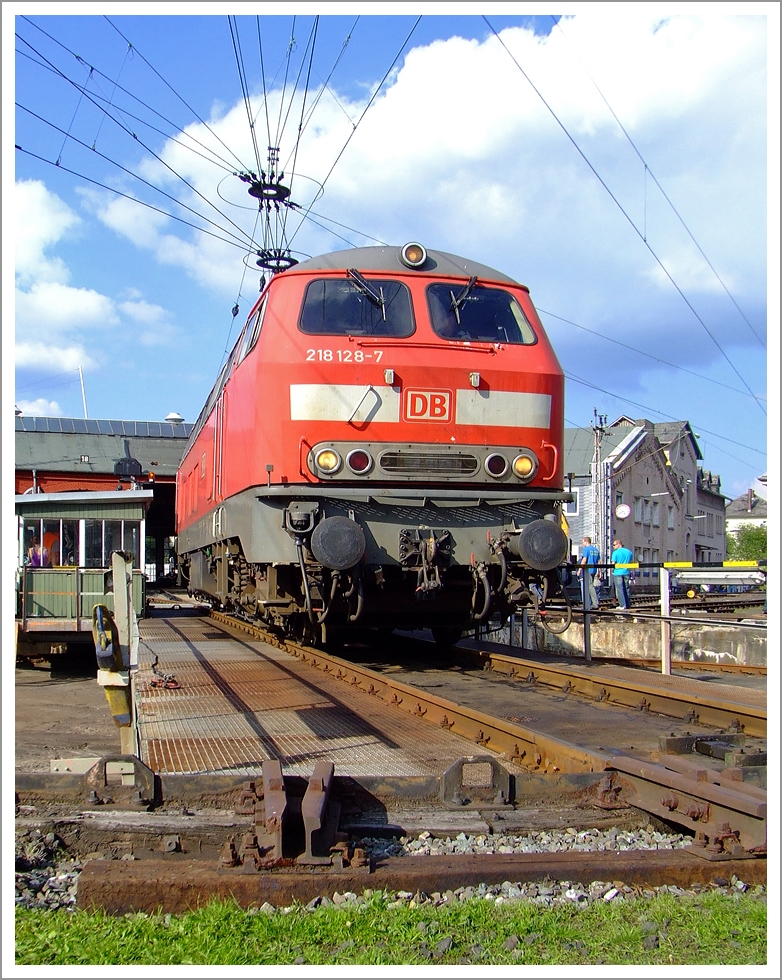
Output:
[[62, 599]]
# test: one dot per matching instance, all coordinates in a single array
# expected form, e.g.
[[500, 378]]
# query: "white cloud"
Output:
[[50, 356], [459, 152], [143, 312], [690, 272], [40, 407], [50, 308], [42, 219], [52, 317], [458, 149], [140, 225]]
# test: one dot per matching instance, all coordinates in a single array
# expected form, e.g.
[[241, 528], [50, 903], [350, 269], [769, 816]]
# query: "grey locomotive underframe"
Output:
[[421, 557]]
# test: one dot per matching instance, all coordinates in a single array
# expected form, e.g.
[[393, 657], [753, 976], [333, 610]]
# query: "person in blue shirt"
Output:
[[621, 556], [590, 556]]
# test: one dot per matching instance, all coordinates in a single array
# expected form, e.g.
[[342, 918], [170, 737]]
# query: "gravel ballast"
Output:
[[47, 877]]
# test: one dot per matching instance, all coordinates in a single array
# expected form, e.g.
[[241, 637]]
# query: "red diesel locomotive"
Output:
[[382, 448]]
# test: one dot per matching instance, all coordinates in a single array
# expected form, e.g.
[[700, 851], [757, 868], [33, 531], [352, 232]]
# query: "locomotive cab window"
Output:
[[252, 331], [477, 313], [375, 308]]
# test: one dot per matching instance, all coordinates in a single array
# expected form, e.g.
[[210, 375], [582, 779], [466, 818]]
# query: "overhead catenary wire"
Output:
[[245, 91], [214, 158], [358, 123], [129, 197], [636, 350], [325, 84], [649, 455], [610, 193], [310, 47], [648, 170], [288, 54], [130, 173], [339, 224], [175, 93], [235, 309], [301, 119], [657, 411], [139, 141], [263, 80], [128, 54], [312, 214]]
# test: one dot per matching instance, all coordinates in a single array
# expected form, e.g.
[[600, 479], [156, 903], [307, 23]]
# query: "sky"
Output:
[[613, 158]]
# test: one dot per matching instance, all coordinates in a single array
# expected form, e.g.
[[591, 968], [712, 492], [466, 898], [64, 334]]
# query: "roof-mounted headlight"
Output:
[[413, 255]]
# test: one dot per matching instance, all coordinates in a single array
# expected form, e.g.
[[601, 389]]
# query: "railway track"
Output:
[[216, 832], [707, 797], [701, 602]]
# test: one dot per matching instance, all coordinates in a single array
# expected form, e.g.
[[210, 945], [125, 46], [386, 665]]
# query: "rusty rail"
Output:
[[520, 746], [687, 707], [725, 820]]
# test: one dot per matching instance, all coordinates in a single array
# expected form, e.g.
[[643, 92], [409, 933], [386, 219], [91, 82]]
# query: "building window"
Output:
[[571, 507], [656, 513], [710, 525], [671, 519], [104, 537], [668, 556], [638, 509], [647, 511], [59, 538], [655, 561]]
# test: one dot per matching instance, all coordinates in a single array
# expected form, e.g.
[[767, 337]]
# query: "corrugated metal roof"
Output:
[[57, 444], [110, 427]]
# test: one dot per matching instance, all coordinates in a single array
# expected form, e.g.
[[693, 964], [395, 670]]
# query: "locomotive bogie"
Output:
[[383, 445]]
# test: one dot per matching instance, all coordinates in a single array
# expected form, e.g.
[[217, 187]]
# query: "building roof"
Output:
[[580, 448], [668, 432], [748, 507], [58, 444]]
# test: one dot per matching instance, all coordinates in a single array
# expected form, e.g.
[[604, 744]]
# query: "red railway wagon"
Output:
[[383, 447]]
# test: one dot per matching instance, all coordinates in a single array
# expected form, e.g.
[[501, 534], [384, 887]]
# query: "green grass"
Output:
[[711, 928]]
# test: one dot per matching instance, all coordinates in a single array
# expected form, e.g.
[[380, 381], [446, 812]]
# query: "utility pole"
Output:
[[599, 487]]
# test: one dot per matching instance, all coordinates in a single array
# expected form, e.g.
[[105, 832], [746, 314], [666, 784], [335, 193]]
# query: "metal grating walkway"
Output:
[[240, 701]]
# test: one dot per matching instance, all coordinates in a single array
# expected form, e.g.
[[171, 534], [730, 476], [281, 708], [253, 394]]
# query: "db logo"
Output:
[[427, 406]]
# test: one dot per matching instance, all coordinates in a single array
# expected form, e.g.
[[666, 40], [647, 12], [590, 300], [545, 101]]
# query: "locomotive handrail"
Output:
[[553, 473]]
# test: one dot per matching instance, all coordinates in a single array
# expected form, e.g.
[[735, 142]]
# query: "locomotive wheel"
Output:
[[446, 636]]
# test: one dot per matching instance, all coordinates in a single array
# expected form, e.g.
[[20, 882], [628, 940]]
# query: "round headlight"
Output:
[[413, 255], [328, 461], [525, 466], [359, 461], [496, 465]]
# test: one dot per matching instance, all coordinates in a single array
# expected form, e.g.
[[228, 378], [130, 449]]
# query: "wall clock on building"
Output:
[[622, 511]]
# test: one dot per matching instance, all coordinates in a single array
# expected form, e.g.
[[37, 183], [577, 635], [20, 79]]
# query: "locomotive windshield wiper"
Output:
[[457, 302], [374, 295]]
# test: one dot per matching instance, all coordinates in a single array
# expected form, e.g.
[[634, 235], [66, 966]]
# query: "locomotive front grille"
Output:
[[403, 463]]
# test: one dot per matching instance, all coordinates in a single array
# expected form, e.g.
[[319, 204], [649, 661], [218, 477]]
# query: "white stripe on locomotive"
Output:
[[367, 403]]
